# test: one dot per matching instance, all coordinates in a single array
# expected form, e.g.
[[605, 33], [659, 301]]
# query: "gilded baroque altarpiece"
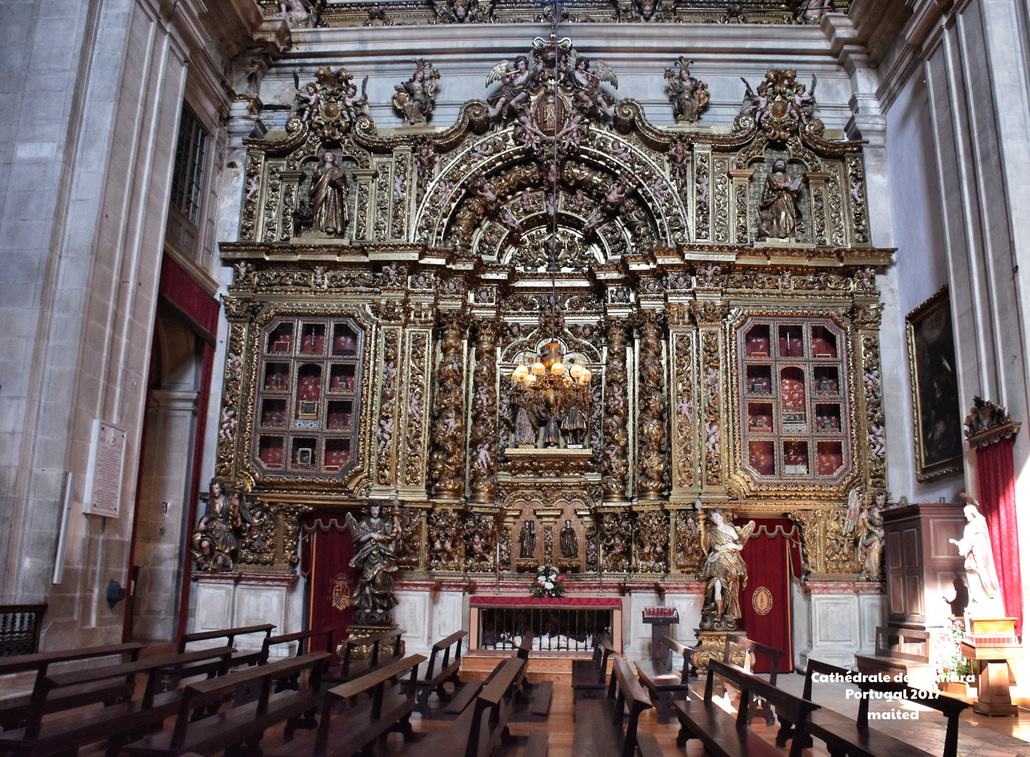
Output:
[[719, 284]]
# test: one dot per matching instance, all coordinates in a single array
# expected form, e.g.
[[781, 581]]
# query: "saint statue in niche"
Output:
[[985, 598], [327, 192], [723, 570], [375, 542], [527, 540], [567, 541], [778, 209]]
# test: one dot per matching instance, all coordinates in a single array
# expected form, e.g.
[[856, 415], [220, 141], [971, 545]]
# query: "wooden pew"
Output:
[[471, 689], [433, 679], [666, 683], [591, 676], [483, 724], [240, 728], [384, 707], [304, 641], [227, 637], [726, 735], [844, 736], [14, 710], [56, 735], [603, 730], [753, 648], [350, 666]]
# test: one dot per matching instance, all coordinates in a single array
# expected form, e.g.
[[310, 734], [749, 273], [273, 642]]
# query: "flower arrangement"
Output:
[[948, 658], [549, 582]]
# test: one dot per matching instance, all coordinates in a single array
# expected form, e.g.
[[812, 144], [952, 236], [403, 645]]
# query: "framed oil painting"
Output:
[[937, 414]]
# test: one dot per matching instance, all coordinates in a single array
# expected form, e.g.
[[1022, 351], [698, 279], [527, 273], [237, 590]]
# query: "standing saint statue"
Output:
[[527, 540], [870, 537], [723, 570], [985, 598], [567, 541], [375, 543], [328, 192], [778, 210]]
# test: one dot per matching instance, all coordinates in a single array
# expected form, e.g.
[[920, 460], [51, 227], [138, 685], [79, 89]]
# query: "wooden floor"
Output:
[[978, 736]]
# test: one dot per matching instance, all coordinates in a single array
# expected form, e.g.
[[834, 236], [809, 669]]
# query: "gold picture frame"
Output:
[[937, 413]]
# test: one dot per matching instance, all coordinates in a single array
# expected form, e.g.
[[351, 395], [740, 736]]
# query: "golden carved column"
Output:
[[867, 328], [447, 461], [685, 401], [413, 443], [615, 476], [709, 316], [741, 179], [652, 425], [483, 432], [391, 314]]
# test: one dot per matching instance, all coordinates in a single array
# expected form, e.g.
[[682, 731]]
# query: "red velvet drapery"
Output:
[[325, 559], [767, 618], [996, 481]]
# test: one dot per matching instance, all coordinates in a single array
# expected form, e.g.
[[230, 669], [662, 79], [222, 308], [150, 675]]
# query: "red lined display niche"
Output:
[[308, 395], [793, 383]]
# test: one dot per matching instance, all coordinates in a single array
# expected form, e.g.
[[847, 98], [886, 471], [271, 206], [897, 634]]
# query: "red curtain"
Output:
[[326, 557], [765, 602], [995, 476]]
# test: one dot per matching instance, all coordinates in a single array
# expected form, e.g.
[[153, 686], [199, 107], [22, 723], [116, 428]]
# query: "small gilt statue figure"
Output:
[[870, 537], [328, 192], [375, 543], [985, 598], [778, 210], [723, 570], [688, 95], [416, 97], [214, 543]]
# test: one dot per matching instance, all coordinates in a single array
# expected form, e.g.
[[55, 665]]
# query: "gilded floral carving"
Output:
[[447, 462], [652, 425], [616, 411], [652, 541], [483, 433]]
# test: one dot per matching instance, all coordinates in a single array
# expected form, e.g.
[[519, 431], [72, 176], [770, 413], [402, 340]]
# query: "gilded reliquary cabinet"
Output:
[[715, 286]]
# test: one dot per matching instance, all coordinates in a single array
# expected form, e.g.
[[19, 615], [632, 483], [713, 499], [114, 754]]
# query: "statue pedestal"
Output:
[[712, 645], [357, 633], [992, 643]]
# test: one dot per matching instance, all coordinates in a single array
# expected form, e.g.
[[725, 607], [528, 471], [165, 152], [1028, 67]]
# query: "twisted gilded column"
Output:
[[447, 460], [615, 461], [483, 433], [653, 433]]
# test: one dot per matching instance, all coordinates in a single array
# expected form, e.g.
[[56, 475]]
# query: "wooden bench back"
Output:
[[497, 694], [215, 690], [127, 671], [304, 639], [42, 660], [526, 646], [227, 633], [794, 710], [373, 681], [680, 649], [913, 644], [950, 707], [752, 647], [628, 695], [375, 641], [444, 646]]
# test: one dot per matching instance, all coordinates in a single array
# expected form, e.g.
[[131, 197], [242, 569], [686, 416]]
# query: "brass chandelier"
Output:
[[547, 388]]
